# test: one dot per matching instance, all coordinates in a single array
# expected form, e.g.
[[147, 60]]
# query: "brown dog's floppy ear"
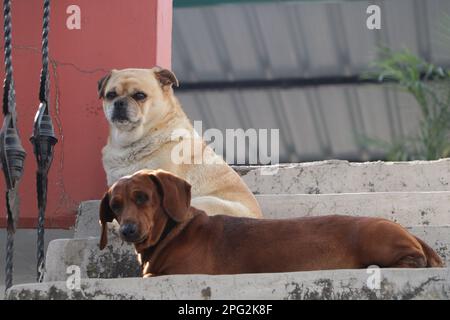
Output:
[[166, 77], [106, 215], [102, 85], [175, 194]]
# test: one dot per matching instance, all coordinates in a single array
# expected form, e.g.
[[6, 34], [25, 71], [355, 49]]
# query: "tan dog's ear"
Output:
[[106, 215], [175, 194], [166, 77], [102, 85]]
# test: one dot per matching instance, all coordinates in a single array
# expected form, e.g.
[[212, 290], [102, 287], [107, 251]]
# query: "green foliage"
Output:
[[430, 86]]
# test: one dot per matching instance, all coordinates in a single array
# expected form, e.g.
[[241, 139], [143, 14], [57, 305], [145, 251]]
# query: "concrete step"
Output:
[[412, 193], [118, 259], [87, 223], [337, 176], [407, 208], [395, 284]]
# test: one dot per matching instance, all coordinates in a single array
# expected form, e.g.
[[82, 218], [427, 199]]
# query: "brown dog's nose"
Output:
[[129, 232]]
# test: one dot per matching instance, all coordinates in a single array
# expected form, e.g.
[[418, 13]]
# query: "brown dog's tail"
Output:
[[433, 260]]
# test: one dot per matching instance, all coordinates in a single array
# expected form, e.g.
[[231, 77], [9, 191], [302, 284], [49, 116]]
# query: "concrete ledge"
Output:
[[87, 223], [436, 237], [337, 176], [331, 284], [406, 208], [119, 259]]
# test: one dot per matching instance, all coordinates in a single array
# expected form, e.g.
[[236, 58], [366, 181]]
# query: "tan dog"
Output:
[[144, 116], [154, 212]]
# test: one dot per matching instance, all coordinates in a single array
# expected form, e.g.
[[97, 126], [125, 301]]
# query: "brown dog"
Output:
[[154, 213]]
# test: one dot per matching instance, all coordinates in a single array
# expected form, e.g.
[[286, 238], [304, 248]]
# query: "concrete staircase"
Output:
[[415, 194]]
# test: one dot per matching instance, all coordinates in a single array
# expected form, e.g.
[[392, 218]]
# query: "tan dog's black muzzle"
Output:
[[120, 112]]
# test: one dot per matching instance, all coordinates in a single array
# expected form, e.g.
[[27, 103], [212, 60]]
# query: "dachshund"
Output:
[[153, 210]]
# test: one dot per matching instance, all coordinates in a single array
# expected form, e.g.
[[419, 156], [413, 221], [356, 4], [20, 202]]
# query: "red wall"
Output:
[[113, 34]]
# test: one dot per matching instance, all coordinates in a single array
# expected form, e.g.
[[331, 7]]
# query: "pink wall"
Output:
[[113, 34]]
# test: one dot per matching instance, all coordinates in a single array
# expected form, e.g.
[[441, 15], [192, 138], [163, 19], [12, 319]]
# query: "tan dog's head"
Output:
[[142, 204], [134, 99]]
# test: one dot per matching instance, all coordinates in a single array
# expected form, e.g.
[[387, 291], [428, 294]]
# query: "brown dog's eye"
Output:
[[116, 206], [140, 198], [139, 96], [111, 95]]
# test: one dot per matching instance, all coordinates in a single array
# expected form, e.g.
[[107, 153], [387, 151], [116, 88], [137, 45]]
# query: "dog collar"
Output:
[[148, 252]]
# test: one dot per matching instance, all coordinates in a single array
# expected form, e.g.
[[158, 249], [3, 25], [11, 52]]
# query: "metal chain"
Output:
[[44, 86], [41, 230], [9, 91], [12, 153], [9, 259], [42, 176], [9, 106]]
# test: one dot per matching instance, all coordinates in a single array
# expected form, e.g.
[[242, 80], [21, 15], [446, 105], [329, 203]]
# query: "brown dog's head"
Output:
[[142, 204], [134, 99]]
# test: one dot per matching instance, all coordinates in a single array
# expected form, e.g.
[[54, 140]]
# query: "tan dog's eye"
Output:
[[139, 96], [111, 95], [140, 198]]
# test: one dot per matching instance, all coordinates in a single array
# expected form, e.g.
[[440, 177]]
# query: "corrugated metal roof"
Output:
[[314, 123], [304, 39]]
